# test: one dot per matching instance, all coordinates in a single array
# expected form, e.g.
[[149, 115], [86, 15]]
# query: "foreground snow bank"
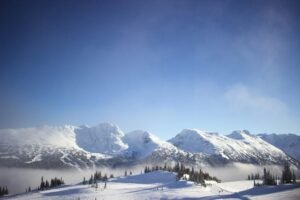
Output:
[[163, 185]]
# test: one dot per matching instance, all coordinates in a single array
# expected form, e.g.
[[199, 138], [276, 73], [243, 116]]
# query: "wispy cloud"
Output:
[[259, 111], [242, 98]]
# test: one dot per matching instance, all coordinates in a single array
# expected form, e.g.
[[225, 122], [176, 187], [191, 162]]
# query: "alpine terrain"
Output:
[[107, 145]]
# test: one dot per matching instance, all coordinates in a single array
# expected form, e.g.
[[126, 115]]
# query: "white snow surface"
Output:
[[163, 185]]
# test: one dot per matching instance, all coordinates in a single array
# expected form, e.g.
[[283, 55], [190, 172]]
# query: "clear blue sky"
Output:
[[155, 65]]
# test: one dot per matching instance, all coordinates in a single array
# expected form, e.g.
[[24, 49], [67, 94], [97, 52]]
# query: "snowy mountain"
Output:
[[45, 147], [82, 147], [289, 143], [106, 144], [142, 144], [104, 138], [239, 146], [144, 147]]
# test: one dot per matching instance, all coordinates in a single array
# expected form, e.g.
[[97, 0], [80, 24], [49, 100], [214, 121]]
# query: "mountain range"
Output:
[[106, 144], [289, 143]]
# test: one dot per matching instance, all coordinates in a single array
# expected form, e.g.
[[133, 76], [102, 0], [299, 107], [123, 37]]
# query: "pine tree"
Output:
[[268, 178], [265, 176], [52, 184], [98, 175], [176, 167], [3, 191], [286, 173], [105, 178], [42, 185], [91, 180], [94, 178], [293, 177], [47, 184]]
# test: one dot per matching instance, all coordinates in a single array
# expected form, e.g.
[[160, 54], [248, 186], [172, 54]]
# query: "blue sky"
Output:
[[155, 65]]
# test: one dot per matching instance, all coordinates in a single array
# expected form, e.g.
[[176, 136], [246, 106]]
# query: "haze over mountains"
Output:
[[107, 145]]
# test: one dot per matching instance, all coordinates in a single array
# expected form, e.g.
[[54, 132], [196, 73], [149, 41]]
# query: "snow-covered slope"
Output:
[[142, 144], [194, 141], [289, 143], [144, 147], [239, 146], [162, 185], [104, 138]]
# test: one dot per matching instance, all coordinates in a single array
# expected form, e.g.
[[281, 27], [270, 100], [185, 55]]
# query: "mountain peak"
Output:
[[191, 132], [109, 127], [193, 140], [142, 143], [240, 134], [103, 138], [141, 137]]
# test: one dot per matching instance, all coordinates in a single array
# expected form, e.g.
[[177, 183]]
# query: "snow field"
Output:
[[163, 185]]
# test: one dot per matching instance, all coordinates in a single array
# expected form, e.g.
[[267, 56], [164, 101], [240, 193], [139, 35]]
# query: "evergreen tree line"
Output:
[[268, 178], [254, 176], [197, 176], [126, 174], [288, 176], [3, 191], [97, 176], [28, 189], [53, 183]]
